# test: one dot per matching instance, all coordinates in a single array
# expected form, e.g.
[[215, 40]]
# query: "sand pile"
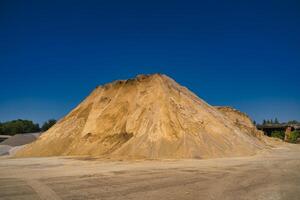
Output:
[[16, 142], [150, 116], [241, 120], [4, 149], [20, 139]]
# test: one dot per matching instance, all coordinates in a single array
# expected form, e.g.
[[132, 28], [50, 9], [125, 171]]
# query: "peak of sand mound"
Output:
[[150, 116]]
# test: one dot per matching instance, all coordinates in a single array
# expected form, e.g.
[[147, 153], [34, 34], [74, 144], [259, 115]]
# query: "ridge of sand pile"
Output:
[[150, 116], [241, 120]]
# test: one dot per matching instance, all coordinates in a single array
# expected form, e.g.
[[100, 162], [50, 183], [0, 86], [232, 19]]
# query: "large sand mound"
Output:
[[148, 117]]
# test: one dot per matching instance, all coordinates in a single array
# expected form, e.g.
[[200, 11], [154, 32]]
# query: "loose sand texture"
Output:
[[150, 116], [270, 175]]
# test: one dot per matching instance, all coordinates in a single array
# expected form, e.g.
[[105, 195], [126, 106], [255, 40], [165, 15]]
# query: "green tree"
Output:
[[278, 134], [18, 126], [1, 129], [48, 124], [294, 136], [264, 122]]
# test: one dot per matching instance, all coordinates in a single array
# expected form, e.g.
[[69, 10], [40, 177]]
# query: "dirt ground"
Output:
[[273, 174]]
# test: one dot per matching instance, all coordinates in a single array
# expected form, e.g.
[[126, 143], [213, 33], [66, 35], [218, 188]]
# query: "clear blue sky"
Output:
[[244, 54]]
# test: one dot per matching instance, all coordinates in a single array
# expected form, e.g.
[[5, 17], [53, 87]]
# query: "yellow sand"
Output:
[[150, 116]]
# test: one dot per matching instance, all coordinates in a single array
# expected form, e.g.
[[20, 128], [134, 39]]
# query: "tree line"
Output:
[[24, 126], [271, 121], [276, 121]]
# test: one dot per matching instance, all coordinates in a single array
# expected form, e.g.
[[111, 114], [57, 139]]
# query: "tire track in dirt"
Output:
[[42, 190]]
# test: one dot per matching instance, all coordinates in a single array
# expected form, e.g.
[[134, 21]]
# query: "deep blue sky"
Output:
[[244, 54]]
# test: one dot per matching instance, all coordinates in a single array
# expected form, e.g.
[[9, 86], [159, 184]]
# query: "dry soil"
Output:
[[272, 174]]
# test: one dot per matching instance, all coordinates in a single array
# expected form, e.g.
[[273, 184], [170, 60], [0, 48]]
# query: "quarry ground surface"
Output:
[[272, 174]]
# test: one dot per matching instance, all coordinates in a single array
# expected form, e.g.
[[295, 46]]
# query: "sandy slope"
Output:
[[147, 117]]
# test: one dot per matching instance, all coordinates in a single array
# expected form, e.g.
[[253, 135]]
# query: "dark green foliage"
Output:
[[278, 134], [18, 126], [1, 129], [48, 124], [294, 136]]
